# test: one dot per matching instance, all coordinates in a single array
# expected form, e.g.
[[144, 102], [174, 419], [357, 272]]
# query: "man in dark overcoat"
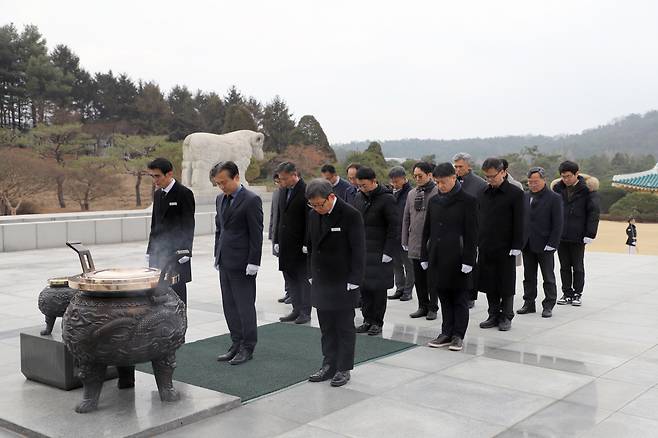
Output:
[[382, 226], [500, 240], [238, 250], [542, 233], [337, 257], [402, 266], [448, 252], [341, 187], [172, 224], [288, 241]]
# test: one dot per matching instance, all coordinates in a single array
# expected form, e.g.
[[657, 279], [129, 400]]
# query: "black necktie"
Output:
[[163, 194], [227, 204]]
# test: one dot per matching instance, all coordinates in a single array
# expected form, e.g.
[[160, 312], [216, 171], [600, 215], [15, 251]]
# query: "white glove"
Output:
[[549, 248], [587, 240], [310, 281], [276, 248], [146, 259], [252, 269], [514, 252], [405, 248], [351, 286], [424, 265], [304, 249], [386, 259], [183, 260], [467, 269]]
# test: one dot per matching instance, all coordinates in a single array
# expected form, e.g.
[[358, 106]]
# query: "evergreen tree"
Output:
[[152, 110], [277, 125], [238, 117], [234, 97], [309, 132], [211, 111], [184, 117]]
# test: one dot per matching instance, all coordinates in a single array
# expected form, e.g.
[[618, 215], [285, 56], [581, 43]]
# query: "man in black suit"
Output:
[[288, 241], [500, 241], [172, 224], [238, 248], [448, 253], [337, 257], [543, 230], [343, 189]]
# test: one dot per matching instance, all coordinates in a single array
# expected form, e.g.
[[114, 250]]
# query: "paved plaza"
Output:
[[590, 371]]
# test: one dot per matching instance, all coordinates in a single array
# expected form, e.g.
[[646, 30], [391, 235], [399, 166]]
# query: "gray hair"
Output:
[[463, 156], [318, 188], [286, 167], [396, 172], [539, 170]]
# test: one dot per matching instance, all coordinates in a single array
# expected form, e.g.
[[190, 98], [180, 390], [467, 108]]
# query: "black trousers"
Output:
[[181, 291], [572, 267], [299, 289], [373, 305], [338, 338], [546, 262], [454, 311], [239, 303], [427, 299], [501, 306], [404, 272]]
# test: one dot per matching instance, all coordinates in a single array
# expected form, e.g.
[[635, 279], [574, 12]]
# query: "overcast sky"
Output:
[[377, 69]]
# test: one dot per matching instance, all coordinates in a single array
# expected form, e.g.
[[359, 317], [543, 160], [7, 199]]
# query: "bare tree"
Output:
[[132, 153], [90, 178], [22, 175]]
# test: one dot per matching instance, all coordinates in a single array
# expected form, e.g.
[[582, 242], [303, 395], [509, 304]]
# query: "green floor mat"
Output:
[[286, 354]]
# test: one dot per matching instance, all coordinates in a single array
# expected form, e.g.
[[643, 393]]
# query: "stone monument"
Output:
[[201, 151]]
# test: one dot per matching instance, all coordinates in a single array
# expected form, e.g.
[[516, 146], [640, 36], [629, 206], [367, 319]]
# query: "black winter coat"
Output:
[[382, 227], [581, 212], [290, 231], [450, 240], [501, 223], [543, 220], [337, 255]]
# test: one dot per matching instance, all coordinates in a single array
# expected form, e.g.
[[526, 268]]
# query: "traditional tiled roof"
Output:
[[646, 181]]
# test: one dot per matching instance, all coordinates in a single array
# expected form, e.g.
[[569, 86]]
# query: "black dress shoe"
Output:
[[396, 295], [292, 316], [504, 325], [243, 356], [406, 297], [363, 328], [490, 322], [419, 313], [546, 313], [340, 378], [374, 330], [324, 373], [230, 354], [527, 308], [430, 315], [303, 319]]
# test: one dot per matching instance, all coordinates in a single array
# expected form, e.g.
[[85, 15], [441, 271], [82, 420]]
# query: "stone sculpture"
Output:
[[201, 151]]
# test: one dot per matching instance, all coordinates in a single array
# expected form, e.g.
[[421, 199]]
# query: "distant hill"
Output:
[[633, 134]]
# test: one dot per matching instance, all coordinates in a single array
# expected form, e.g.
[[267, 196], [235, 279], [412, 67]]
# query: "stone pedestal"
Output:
[[45, 359]]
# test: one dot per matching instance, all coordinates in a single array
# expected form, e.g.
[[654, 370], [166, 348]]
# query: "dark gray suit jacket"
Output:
[[239, 238]]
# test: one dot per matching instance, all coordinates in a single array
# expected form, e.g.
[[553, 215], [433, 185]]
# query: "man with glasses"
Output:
[[500, 240], [413, 220], [543, 231], [172, 224], [581, 221], [337, 256]]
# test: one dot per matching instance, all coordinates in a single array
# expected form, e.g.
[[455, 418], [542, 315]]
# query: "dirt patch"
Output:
[[611, 237]]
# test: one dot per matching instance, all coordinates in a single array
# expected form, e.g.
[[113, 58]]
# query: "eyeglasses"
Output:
[[316, 206], [491, 177]]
